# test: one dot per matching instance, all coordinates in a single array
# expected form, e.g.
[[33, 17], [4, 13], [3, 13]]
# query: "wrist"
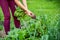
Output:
[[26, 10]]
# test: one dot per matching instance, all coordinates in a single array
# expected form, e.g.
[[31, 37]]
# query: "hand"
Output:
[[29, 13]]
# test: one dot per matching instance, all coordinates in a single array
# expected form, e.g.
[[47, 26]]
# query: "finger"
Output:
[[25, 12], [33, 17], [30, 13]]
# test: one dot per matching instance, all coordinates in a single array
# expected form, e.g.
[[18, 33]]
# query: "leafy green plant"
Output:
[[46, 26]]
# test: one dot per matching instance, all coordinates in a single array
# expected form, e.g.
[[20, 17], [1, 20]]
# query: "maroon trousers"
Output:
[[5, 4]]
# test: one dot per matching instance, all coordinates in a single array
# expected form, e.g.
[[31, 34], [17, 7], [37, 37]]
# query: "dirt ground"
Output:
[[2, 34]]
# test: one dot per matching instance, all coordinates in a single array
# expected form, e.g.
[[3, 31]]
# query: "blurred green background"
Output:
[[47, 17]]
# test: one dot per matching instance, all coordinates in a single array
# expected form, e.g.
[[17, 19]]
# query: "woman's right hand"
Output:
[[29, 13]]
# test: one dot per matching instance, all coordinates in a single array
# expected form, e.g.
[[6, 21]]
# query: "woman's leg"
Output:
[[5, 9], [12, 7]]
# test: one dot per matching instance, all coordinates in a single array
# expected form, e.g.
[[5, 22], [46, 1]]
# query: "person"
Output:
[[10, 4]]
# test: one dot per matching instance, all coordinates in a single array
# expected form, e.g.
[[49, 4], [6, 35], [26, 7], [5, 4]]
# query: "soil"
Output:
[[2, 34]]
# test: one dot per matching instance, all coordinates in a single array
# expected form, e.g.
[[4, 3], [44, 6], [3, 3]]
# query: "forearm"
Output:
[[24, 3], [20, 5]]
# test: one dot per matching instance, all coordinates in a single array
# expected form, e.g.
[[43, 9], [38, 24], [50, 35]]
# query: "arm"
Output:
[[24, 3], [28, 12], [20, 5]]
